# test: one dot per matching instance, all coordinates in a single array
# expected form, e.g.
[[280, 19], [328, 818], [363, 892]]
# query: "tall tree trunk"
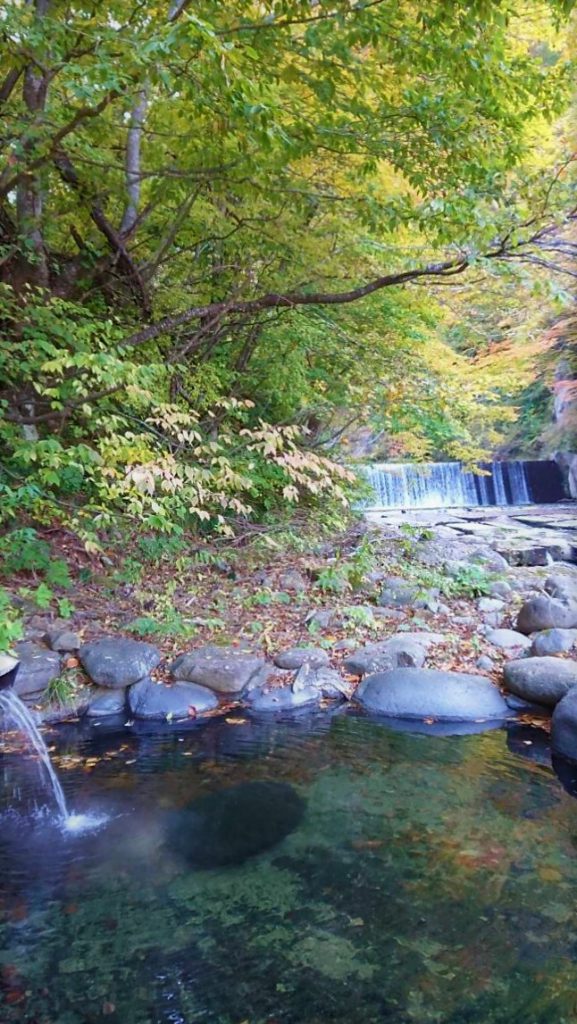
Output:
[[29, 197], [133, 145]]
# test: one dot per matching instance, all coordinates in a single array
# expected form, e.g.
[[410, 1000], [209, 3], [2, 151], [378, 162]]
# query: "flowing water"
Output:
[[394, 879], [449, 485]]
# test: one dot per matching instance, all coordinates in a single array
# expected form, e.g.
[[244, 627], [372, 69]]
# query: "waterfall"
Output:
[[449, 485], [18, 713]]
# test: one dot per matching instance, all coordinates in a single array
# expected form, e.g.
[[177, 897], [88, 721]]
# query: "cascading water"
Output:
[[449, 485], [17, 713]]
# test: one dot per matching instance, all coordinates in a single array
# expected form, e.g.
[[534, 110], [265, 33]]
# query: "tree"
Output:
[[177, 179]]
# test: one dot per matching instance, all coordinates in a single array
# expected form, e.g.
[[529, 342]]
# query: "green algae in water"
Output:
[[429, 881]]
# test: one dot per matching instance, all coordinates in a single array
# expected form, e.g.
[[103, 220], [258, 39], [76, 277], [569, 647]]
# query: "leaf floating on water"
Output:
[[236, 721]]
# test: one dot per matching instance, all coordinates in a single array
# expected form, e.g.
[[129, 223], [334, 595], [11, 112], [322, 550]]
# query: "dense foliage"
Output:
[[212, 216]]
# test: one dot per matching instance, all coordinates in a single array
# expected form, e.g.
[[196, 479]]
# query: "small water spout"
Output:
[[19, 714]]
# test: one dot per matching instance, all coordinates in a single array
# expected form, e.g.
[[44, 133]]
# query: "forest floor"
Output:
[[271, 592]]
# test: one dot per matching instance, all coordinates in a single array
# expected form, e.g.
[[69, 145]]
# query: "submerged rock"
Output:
[[429, 693], [105, 702], [544, 680], [117, 661], [228, 827]]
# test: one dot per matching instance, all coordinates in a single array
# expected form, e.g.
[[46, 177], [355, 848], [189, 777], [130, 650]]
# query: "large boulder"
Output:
[[305, 687], [546, 613], [151, 700], [542, 680], [118, 662], [379, 657], [562, 586], [38, 667], [223, 669], [564, 726], [429, 693], [296, 657], [401, 593], [508, 639], [229, 826], [553, 641]]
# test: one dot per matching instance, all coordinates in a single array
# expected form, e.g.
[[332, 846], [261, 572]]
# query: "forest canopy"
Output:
[[231, 235]]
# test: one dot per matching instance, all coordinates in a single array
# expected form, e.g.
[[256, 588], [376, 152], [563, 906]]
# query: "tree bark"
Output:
[[29, 195], [133, 148]]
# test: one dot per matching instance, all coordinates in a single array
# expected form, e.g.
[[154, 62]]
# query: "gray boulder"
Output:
[[293, 581], [485, 663], [37, 669], [546, 613], [151, 700], [295, 657], [562, 586], [117, 662], [62, 640], [489, 559], [490, 604], [281, 698], [105, 702], [508, 639], [325, 680], [398, 593], [500, 588], [320, 618], [223, 669], [379, 657], [541, 680], [553, 641], [564, 726], [429, 693]]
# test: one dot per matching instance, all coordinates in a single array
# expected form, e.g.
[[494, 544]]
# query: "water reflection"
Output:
[[412, 878]]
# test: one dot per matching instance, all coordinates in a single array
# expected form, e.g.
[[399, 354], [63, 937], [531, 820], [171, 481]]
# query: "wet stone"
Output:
[[158, 701], [553, 641], [430, 693], [38, 667]]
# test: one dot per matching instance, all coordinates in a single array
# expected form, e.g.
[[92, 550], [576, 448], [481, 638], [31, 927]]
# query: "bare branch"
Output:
[[133, 145]]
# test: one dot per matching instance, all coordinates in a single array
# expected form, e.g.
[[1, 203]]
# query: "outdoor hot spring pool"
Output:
[[401, 878]]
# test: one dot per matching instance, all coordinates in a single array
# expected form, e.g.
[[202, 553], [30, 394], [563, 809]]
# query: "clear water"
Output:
[[429, 880]]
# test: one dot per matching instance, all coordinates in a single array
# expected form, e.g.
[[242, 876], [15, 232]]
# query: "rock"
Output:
[[553, 641], [490, 604], [562, 586], [117, 662], [542, 680], [345, 645], [489, 559], [424, 638], [106, 702], [325, 680], [151, 700], [281, 698], [500, 588], [508, 639], [223, 669], [37, 668], [546, 613], [293, 581], [320, 618], [485, 663], [493, 619], [564, 726], [428, 693], [297, 656], [398, 593], [63, 640], [233, 824], [386, 654]]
